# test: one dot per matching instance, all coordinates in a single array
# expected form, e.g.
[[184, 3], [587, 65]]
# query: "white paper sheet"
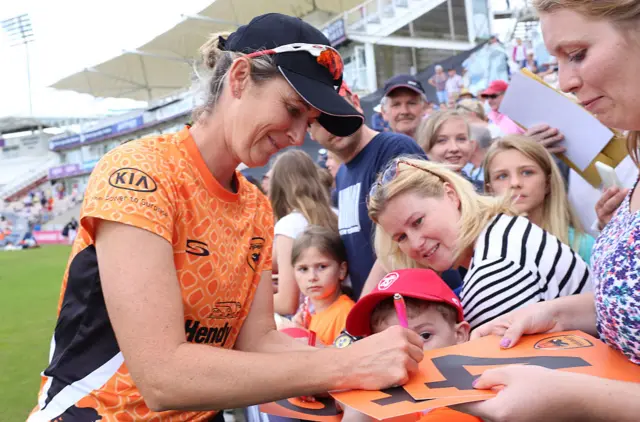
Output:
[[529, 102]]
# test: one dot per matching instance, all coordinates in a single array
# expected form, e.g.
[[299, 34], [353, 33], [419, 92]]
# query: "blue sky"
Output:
[[74, 34]]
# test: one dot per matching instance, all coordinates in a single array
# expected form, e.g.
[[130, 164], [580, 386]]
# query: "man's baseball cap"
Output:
[[417, 283], [314, 82], [403, 81], [495, 87]]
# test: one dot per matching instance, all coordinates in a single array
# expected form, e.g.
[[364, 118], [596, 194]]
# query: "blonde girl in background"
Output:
[[428, 216], [446, 138], [299, 198], [522, 168], [319, 260]]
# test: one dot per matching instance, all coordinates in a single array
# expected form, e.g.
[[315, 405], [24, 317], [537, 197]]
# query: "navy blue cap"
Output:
[[403, 81], [312, 81]]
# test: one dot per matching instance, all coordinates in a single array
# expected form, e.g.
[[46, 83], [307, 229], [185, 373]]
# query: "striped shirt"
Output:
[[516, 263]]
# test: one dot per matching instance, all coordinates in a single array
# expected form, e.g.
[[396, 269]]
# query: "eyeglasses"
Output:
[[492, 96], [390, 173], [326, 56]]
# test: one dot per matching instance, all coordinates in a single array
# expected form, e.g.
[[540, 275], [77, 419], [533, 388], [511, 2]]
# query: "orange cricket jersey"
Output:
[[221, 245], [329, 323]]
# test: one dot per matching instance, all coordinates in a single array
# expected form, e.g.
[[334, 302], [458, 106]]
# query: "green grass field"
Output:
[[29, 289]]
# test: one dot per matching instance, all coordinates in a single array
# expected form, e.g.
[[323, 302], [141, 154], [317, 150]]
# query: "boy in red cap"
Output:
[[433, 311]]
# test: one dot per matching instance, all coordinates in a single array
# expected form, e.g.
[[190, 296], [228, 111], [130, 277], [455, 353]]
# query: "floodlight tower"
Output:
[[20, 32]]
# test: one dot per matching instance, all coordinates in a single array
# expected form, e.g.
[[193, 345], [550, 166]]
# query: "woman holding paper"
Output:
[[589, 38]]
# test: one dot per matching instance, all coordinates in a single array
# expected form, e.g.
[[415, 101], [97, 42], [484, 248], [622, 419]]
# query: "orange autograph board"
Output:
[[393, 402], [323, 410], [450, 372]]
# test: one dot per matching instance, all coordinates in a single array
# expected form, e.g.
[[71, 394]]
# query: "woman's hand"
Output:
[[608, 203], [533, 319], [528, 394], [575, 312], [382, 360]]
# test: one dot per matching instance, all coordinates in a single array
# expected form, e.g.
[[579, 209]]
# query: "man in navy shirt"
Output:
[[364, 154]]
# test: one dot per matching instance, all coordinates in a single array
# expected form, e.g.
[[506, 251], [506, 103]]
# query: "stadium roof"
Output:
[[14, 124], [164, 65]]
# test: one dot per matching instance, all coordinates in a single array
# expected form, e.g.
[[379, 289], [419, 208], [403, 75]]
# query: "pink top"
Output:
[[508, 126]]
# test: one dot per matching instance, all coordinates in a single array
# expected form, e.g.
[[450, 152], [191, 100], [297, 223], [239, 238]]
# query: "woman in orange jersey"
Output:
[[166, 310]]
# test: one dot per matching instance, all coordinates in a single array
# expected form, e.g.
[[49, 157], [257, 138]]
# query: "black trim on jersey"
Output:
[[79, 414], [84, 337]]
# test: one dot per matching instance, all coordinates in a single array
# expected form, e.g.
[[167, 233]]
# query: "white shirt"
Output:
[[292, 225], [454, 84], [516, 263]]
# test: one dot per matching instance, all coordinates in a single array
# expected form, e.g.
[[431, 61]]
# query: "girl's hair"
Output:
[[214, 68], [427, 179], [427, 133], [296, 185], [325, 240], [469, 105], [623, 14], [326, 179], [558, 214]]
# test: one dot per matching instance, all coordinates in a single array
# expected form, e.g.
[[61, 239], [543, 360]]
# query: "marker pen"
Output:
[[401, 310]]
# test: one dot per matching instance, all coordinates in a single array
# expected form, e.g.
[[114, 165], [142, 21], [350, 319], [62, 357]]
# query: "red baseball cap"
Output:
[[495, 87], [414, 282]]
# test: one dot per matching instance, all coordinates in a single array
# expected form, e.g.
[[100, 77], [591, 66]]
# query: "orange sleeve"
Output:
[[132, 185]]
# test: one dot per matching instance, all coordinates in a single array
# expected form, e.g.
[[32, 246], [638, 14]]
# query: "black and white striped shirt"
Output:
[[516, 263]]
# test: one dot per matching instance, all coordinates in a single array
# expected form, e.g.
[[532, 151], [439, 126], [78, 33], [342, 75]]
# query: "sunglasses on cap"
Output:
[[326, 56], [390, 173]]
